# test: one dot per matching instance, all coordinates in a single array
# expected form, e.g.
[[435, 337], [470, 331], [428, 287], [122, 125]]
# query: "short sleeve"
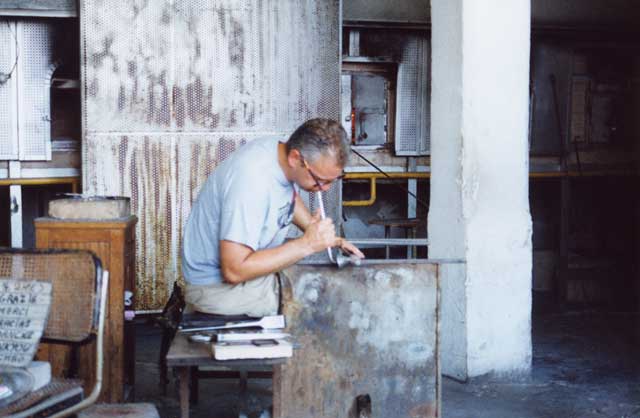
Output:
[[244, 211]]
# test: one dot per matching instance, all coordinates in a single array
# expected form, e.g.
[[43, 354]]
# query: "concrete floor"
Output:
[[585, 365]]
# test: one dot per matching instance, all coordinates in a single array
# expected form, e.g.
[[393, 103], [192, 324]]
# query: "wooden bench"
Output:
[[187, 357]]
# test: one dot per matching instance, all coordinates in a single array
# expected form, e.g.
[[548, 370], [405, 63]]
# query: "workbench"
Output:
[[186, 357]]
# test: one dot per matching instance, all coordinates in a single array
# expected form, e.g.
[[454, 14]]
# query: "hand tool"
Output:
[[323, 215], [346, 259], [267, 322]]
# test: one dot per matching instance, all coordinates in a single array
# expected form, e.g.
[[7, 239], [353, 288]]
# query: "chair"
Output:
[[77, 312]]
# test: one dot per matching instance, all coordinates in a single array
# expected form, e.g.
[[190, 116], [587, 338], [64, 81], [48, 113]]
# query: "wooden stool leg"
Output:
[[185, 379], [194, 384], [167, 337]]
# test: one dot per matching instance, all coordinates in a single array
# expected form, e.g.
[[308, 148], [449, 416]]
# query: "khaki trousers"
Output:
[[258, 297]]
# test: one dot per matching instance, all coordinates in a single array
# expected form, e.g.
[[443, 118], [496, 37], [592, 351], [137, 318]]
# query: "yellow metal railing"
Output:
[[373, 177], [73, 181]]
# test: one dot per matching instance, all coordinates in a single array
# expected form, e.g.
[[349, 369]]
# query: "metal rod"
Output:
[[399, 242], [323, 215]]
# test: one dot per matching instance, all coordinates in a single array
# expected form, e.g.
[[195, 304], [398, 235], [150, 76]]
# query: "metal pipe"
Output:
[[368, 202], [43, 181], [394, 175], [372, 177], [389, 241]]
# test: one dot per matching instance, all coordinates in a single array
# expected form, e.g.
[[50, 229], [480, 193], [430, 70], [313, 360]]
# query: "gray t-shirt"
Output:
[[247, 200]]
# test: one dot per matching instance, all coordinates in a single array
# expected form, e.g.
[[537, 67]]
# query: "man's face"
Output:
[[319, 174]]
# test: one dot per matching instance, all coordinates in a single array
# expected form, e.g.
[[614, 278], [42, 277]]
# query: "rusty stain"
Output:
[[178, 106], [198, 49], [236, 44], [98, 57], [137, 9], [163, 117], [121, 98], [158, 100], [194, 99], [92, 90], [166, 16], [209, 105], [132, 68], [221, 20], [132, 71]]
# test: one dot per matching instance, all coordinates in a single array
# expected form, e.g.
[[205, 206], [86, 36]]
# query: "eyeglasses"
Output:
[[319, 181]]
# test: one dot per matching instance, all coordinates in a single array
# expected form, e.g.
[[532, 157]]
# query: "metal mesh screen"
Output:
[[35, 68], [411, 51], [8, 98], [193, 66], [412, 120], [173, 88]]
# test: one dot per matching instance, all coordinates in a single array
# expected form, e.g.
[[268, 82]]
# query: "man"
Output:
[[234, 240]]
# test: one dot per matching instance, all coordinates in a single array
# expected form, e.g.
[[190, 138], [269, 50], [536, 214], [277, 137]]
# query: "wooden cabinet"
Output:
[[113, 241]]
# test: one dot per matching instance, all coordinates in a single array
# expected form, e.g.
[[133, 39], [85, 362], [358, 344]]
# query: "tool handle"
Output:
[[323, 215]]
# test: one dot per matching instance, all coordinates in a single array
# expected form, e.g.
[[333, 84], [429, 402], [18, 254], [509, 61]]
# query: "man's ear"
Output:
[[294, 158]]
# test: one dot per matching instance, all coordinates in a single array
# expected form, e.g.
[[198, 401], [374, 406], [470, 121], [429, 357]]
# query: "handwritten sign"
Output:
[[24, 306]]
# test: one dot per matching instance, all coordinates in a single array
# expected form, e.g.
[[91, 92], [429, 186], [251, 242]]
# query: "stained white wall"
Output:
[[479, 184]]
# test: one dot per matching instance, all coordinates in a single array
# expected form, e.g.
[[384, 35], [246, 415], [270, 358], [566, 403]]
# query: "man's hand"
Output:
[[349, 248], [320, 233]]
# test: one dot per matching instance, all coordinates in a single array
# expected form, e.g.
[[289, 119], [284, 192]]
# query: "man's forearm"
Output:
[[301, 215], [262, 262]]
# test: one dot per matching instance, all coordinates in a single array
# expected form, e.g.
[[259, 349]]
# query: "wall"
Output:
[[495, 192], [479, 183]]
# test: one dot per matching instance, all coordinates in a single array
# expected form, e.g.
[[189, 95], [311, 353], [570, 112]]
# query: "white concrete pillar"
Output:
[[479, 183]]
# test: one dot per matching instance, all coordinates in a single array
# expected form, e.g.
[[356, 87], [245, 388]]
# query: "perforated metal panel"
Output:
[[411, 51], [201, 66], [413, 105], [35, 68], [8, 98], [171, 89]]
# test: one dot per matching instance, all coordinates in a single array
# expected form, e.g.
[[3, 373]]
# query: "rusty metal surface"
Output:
[[171, 88], [362, 330], [162, 174]]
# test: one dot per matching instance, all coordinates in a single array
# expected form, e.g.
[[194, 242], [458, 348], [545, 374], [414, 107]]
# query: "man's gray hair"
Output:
[[318, 137]]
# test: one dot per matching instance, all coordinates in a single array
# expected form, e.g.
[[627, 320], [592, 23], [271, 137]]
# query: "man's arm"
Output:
[[301, 215], [240, 263]]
